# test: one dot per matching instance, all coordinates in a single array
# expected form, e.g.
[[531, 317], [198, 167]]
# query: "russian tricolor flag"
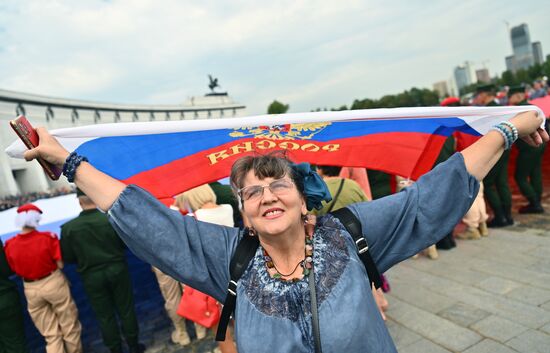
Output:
[[167, 158]]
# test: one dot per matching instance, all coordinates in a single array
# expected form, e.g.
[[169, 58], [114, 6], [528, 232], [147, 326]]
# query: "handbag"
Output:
[[199, 307]]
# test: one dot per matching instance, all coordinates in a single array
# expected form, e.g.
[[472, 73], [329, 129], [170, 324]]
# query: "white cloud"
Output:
[[307, 53]]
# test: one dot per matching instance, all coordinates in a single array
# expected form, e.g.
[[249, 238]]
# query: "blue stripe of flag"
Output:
[[125, 156]]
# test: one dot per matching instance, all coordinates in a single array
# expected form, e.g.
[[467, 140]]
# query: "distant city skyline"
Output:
[[308, 54], [526, 54]]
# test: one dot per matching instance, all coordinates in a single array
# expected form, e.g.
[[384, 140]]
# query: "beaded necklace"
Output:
[[306, 263]]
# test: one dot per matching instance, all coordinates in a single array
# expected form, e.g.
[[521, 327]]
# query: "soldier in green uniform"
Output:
[[528, 172], [380, 183], [497, 190], [91, 242], [12, 331]]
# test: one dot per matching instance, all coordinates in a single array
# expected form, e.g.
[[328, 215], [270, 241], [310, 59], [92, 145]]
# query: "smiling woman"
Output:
[[276, 297]]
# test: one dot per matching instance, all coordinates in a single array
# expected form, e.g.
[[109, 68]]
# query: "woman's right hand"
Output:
[[49, 149]]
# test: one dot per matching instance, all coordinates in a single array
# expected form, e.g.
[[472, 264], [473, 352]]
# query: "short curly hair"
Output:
[[275, 165]]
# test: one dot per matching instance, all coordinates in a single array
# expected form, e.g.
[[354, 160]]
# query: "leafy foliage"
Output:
[[277, 107]]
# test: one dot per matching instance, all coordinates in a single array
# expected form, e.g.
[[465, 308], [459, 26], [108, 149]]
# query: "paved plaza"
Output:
[[488, 295]]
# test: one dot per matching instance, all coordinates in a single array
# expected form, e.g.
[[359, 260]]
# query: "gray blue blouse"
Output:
[[275, 316]]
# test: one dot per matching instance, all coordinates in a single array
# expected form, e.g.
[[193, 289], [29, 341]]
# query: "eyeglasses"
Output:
[[255, 192]]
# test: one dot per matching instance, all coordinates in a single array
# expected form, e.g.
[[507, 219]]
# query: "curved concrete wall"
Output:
[[18, 176]]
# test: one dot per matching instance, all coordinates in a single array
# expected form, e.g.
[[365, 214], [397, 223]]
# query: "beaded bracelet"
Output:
[[506, 134], [71, 164], [513, 128], [506, 141]]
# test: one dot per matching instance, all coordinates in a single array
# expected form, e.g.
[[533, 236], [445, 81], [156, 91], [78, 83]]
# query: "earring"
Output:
[[305, 219], [252, 232]]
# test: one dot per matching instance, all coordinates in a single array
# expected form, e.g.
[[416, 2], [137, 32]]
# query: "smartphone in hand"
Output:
[[28, 135]]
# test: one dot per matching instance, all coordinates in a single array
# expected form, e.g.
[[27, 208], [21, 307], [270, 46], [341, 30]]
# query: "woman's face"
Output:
[[273, 212]]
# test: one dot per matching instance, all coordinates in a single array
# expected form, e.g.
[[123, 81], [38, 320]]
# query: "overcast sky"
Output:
[[307, 54]]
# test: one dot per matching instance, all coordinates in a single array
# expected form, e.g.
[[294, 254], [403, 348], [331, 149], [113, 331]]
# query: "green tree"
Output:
[[523, 76], [508, 78], [416, 97], [277, 107], [535, 72]]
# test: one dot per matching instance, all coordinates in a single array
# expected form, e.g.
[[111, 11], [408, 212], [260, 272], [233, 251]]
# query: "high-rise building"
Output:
[[482, 76], [522, 47], [441, 88], [511, 63], [462, 74], [537, 53]]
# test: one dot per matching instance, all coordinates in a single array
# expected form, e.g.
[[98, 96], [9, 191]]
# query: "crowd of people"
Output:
[[276, 202], [536, 89], [8, 202]]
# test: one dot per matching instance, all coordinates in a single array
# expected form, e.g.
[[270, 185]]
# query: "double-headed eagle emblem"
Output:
[[281, 132]]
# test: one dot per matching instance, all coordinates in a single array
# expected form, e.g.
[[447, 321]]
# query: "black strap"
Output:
[[314, 312], [353, 226], [243, 254], [336, 196]]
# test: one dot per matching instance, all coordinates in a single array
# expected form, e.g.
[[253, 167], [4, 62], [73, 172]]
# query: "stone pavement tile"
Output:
[[500, 251], [463, 314], [531, 342], [498, 285], [498, 328], [489, 346], [449, 268], [530, 295], [514, 272], [423, 346], [542, 265], [546, 306], [420, 297], [527, 236], [528, 315], [401, 335], [542, 252], [433, 327], [440, 270], [545, 328]]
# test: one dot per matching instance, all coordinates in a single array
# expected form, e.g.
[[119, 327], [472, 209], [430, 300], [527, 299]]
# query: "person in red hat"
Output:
[[36, 257]]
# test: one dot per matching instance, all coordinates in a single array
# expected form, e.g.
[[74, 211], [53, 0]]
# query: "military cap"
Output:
[[489, 87], [516, 89], [450, 102]]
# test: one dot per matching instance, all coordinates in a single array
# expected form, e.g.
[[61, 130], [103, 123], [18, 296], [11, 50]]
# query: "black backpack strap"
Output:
[[333, 203], [246, 249], [353, 226]]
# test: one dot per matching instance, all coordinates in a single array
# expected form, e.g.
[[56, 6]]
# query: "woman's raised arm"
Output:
[[101, 188]]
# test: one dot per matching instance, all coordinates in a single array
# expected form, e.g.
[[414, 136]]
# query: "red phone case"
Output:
[[28, 135]]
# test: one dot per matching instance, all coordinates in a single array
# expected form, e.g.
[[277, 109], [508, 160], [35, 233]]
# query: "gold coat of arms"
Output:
[[281, 132]]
